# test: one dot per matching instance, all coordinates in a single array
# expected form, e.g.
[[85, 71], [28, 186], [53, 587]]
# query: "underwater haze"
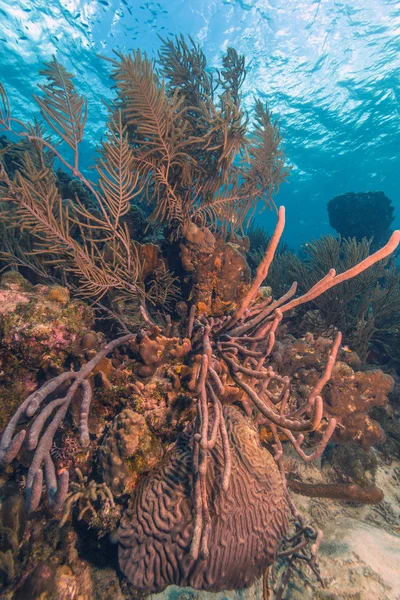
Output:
[[330, 70]]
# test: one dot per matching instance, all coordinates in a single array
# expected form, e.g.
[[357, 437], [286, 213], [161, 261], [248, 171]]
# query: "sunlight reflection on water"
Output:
[[329, 69]]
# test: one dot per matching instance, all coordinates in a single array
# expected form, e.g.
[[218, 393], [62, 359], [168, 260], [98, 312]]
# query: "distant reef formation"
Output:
[[362, 214]]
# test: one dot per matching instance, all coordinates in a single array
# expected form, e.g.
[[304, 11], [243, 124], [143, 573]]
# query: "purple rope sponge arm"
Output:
[[41, 436], [331, 279]]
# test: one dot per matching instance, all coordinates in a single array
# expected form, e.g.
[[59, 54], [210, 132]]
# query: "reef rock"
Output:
[[218, 270], [41, 322], [247, 522]]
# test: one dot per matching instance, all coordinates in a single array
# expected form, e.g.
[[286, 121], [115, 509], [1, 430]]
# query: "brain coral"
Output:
[[247, 522]]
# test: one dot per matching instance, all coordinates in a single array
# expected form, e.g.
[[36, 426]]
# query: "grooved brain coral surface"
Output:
[[329, 70], [247, 522]]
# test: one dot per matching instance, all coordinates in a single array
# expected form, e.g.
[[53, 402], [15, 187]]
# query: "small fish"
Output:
[[346, 349]]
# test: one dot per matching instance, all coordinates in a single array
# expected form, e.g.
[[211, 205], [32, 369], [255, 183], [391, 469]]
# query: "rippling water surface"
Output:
[[330, 70]]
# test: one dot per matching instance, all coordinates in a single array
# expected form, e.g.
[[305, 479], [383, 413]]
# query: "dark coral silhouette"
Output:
[[362, 214]]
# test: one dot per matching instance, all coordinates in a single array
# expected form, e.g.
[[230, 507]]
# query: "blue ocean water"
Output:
[[329, 69]]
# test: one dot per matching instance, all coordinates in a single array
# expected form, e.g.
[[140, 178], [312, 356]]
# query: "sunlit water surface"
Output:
[[329, 69]]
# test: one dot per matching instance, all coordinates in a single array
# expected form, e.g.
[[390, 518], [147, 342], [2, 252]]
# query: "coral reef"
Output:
[[181, 146], [362, 215], [209, 363], [219, 270], [40, 327], [192, 409], [70, 187], [12, 527], [37, 559], [350, 397], [96, 504], [40, 321], [57, 487]]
